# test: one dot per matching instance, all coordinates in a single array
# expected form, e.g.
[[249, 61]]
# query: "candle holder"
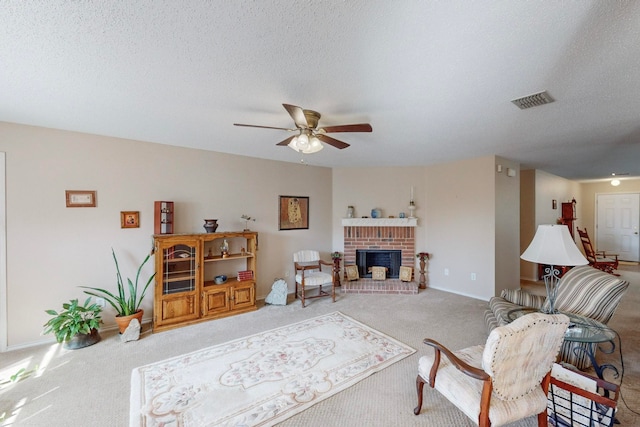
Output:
[[412, 208]]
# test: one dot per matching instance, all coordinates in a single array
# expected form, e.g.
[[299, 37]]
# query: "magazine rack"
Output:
[[578, 399]]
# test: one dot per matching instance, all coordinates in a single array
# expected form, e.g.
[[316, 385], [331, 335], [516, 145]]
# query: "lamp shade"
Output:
[[553, 245]]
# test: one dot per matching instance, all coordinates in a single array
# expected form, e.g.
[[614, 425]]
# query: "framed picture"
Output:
[[80, 199], [352, 272], [378, 273], [129, 219], [405, 273], [294, 213]]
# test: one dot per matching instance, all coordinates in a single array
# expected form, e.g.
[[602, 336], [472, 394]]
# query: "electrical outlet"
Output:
[[473, 276], [446, 271], [287, 273], [101, 302]]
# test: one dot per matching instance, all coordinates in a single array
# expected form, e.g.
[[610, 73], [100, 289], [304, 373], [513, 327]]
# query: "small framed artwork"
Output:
[[554, 204], [352, 272], [405, 273], [80, 199], [129, 219], [378, 273], [293, 213]]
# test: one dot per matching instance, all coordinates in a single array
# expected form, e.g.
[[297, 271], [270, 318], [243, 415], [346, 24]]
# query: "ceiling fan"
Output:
[[309, 135]]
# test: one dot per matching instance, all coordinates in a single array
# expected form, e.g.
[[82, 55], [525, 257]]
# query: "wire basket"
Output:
[[579, 399]]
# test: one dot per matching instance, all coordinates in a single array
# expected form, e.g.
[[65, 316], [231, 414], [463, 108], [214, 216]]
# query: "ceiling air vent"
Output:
[[534, 100]]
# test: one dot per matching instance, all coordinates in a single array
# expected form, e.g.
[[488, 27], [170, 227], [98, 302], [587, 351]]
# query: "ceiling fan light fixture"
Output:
[[314, 145], [302, 142]]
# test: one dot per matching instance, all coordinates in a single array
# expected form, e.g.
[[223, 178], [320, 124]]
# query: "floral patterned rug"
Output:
[[262, 379]]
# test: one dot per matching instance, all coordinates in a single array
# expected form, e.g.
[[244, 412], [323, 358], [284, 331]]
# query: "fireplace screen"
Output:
[[391, 259]]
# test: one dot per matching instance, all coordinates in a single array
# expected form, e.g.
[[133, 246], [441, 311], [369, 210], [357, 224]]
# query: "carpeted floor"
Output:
[[90, 387]]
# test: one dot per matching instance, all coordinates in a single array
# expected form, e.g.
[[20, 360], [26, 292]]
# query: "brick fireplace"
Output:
[[380, 234]]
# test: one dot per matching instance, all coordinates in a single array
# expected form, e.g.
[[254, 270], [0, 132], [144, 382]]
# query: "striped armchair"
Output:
[[582, 290]]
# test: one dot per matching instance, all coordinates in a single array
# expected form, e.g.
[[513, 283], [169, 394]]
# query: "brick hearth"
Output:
[[370, 286]]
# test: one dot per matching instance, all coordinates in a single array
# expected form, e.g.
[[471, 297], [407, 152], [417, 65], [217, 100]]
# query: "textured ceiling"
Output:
[[434, 78]]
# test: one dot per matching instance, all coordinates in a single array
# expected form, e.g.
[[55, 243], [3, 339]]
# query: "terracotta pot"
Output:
[[82, 340], [123, 321]]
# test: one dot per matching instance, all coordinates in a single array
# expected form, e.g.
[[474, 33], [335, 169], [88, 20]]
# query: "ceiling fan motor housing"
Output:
[[312, 118]]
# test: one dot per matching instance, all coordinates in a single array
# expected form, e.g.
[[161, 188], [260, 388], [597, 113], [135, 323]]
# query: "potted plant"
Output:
[[76, 325], [127, 301]]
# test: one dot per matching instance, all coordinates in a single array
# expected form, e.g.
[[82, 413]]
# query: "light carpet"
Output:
[[261, 379]]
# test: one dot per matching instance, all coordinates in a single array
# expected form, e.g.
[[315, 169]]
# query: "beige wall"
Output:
[[507, 228], [468, 214], [460, 216], [51, 249], [388, 189], [458, 222], [544, 187]]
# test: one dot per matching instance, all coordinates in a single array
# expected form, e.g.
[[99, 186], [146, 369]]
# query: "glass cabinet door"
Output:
[[177, 275]]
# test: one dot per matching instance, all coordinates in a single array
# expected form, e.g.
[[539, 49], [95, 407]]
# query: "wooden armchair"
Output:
[[308, 271], [503, 381], [598, 259]]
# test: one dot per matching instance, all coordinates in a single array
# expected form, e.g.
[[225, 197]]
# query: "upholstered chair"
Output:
[[502, 381], [309, 274]]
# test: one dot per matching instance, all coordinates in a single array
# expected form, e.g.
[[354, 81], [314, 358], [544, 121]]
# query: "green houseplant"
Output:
[[76, 324], [129, 297]]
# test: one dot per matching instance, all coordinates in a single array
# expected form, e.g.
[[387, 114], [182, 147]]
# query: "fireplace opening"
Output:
[[391, 259]]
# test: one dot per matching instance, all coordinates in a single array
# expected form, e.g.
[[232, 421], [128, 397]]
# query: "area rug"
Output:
[[262, 379]]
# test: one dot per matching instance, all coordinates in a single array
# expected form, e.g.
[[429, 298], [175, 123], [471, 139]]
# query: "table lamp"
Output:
[[553, 247]]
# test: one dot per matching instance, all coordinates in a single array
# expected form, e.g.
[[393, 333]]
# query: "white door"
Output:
[[618, 216]]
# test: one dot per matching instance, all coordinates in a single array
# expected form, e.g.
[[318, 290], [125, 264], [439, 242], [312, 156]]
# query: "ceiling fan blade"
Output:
[[297, 114], [360, 127], [332, 141], [264, 127], [286, 141]]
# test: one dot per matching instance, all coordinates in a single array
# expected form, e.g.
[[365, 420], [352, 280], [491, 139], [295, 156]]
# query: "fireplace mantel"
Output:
[[379, 222]]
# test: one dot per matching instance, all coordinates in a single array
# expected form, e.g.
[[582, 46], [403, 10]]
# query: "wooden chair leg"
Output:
[[419, 388], [543, 420]]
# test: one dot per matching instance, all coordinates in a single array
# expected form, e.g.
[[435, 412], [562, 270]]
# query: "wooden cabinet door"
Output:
[[243, 296], [177, 277], [215, 300]]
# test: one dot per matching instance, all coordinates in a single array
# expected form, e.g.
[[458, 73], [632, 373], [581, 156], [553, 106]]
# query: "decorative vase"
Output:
[[376, 213], [82, 340], [210, 225], [123, 321]]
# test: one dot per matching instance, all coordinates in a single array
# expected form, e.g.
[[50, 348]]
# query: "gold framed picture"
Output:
[[80, 198], [129, 219], [378, 273], [406, 273], [293, 213], [352, 272]]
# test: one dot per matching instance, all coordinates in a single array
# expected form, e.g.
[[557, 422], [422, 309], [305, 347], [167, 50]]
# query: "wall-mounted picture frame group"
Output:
[[80, 198], [293, 213], [129, 219]]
